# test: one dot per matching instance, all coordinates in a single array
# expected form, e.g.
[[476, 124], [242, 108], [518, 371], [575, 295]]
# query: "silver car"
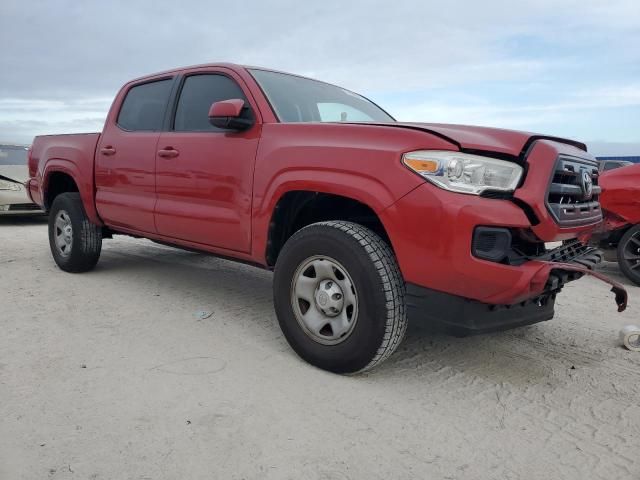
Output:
[[606, 165], [14, 172]]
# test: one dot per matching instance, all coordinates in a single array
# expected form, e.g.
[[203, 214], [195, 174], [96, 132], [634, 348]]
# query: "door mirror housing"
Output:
[[227, 114]]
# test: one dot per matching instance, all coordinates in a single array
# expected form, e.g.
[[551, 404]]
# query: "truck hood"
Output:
[[466, 137], [16, 173]]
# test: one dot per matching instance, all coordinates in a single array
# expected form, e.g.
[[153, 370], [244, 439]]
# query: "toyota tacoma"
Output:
[[366, 221]]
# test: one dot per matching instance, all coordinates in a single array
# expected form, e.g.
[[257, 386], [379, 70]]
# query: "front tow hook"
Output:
[[617, 288]]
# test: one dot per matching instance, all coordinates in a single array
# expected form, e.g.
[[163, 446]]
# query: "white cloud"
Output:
[[478, 111], [613, 149], [22, 119], [609, 96], [568, 53]]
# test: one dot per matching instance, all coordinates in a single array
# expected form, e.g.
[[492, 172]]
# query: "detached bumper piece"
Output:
[[617, 288], [573, 260], [572, 252]]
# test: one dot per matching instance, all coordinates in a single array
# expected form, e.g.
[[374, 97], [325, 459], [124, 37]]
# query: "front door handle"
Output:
[[168, 152], [108, 151]]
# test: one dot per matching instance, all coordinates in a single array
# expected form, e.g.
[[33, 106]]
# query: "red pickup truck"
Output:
[[366, 221]]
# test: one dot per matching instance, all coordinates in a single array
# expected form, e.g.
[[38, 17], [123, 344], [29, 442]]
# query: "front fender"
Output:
[[365, 189], [360, 162]]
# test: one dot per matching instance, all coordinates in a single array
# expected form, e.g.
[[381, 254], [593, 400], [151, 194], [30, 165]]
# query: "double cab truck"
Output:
[[364, 220]]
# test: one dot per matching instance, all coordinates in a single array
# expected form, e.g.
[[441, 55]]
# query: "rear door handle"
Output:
[[168, 152], [108, 151]]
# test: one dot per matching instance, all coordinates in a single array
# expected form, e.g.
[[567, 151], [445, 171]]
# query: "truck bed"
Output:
[[72, 153]]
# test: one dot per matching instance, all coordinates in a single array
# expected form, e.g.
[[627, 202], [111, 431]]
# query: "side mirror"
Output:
[[227, 115]]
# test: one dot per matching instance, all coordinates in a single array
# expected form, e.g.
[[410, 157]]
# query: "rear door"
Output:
[[204, 184], [126, 156]]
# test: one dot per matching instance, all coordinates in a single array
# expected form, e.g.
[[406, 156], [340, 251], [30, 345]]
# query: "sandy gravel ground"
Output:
[[113, 375]]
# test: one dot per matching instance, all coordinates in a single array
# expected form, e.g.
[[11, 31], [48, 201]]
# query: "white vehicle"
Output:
[[13, 175]]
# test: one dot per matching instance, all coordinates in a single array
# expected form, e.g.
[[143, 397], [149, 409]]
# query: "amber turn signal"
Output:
[[419, 165]]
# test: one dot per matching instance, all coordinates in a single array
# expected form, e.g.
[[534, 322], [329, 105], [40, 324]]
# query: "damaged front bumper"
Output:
[[463, 316]]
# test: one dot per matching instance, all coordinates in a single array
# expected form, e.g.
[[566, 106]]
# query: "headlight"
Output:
[[463, 172], [5, 185]]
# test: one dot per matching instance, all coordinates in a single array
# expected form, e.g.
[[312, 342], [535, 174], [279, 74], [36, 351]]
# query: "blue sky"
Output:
[[590, 89], [567, 68]]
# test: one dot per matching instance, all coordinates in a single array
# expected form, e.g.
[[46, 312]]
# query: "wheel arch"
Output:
[[295, 209], [56, 183], [62, 176]]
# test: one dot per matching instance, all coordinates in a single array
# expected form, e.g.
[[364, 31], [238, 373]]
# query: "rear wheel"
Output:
[[629, 254], [75, 242], [339, 296]]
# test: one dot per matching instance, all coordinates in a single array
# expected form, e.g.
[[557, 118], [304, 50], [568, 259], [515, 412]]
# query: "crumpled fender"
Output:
[[620, 198]]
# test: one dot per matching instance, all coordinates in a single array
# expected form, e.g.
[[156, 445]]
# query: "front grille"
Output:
[[18, 207], [569, 199]]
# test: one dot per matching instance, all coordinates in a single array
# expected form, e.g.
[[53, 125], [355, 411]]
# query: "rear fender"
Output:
[[85, 187]]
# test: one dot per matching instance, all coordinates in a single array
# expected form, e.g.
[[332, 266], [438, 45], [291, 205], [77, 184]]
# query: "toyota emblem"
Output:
[[587, 185]]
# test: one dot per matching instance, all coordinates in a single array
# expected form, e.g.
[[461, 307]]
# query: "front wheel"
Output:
[[629, 254], [339, 296], [75, 242]]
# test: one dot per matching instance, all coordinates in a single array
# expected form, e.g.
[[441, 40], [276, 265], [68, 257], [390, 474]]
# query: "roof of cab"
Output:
[[232, 66], [229, 65]]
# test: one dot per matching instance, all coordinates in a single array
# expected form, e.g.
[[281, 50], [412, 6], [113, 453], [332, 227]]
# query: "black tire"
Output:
[[84, 250], [629, 254], [381, 313]]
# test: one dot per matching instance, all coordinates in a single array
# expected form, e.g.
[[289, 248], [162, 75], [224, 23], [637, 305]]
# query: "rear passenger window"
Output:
[[143, 107], [196, 97]]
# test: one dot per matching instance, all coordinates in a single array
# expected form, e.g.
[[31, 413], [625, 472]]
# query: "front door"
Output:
[[204, 175], [126, 157]]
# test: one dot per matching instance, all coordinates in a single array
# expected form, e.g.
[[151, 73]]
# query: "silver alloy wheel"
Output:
[[632, 252], [63, 232], [324, 300]]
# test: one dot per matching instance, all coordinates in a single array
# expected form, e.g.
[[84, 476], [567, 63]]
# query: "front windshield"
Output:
[[298, 99], [13, 155]]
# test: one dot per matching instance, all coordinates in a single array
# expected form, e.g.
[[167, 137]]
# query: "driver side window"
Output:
[[197, 94]]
